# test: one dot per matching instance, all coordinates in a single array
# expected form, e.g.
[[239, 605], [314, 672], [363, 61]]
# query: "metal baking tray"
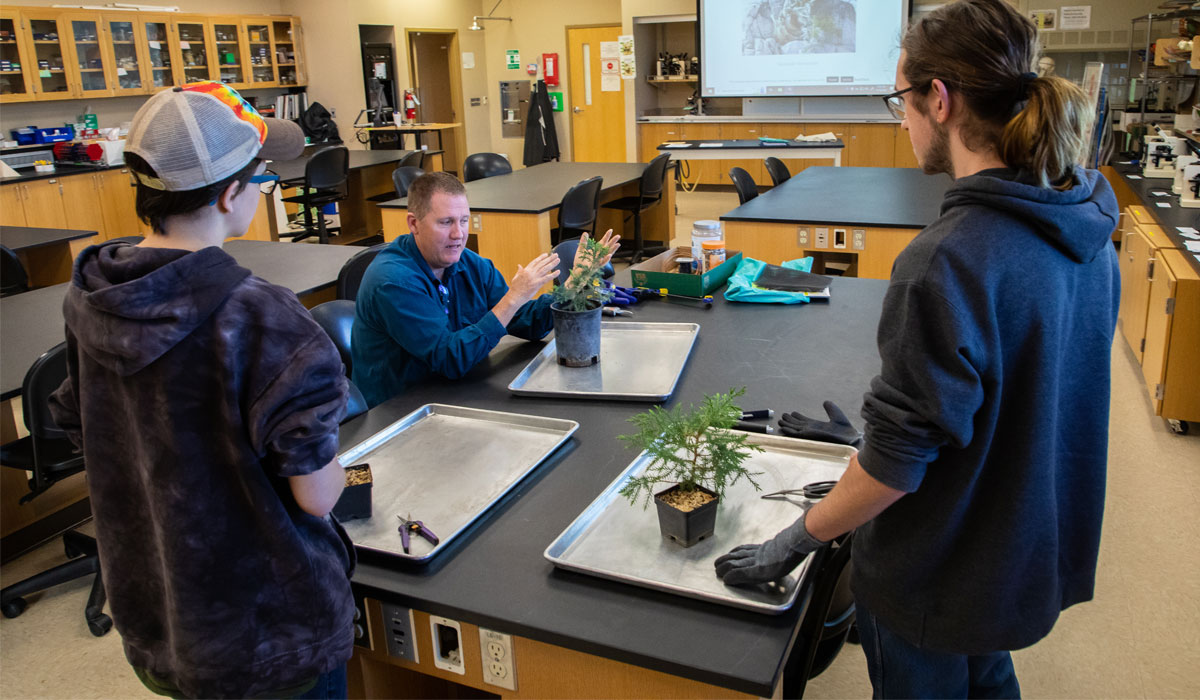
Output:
[[638, 362], [445, 466], [617, 540]]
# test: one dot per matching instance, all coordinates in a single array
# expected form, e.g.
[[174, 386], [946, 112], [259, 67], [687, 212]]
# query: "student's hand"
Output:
[[529, 279], [608, 239], [772, 560]]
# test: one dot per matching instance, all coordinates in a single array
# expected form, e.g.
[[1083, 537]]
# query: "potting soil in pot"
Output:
[[685, 501]]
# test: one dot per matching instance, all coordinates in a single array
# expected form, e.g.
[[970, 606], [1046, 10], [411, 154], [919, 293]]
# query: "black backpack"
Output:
[[318, 125]]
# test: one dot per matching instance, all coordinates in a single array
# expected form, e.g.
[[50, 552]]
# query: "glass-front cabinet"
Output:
[[87, 45], [128, 54], [227, 40], [160, 72], [260, 53], [192, 44], [285, 35], [16, 80], [48, 53]]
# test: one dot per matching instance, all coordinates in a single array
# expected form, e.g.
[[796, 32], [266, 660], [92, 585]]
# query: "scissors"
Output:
[[408, 526]]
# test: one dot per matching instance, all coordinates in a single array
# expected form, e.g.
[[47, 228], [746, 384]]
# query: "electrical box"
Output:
[[398, 631]]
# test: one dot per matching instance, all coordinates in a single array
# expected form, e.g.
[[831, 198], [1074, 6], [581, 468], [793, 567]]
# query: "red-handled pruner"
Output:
[[409, 526]]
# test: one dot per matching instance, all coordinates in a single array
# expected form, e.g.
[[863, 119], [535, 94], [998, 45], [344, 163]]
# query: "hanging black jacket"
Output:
[[541, 139]]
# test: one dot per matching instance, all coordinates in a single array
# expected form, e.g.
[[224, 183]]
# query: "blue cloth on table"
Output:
[[741, 283]]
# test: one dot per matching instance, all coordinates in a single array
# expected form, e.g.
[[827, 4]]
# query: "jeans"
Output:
[[330, 686], [900, 670]]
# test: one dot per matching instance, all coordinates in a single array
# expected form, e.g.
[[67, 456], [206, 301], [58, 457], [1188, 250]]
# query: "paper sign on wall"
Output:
[[1076, 17], [608, 49], [381, 71], [514, 59], [610, 82], [556, 101], [1044, 19], [628, 65], [468, 60], [608, 65]]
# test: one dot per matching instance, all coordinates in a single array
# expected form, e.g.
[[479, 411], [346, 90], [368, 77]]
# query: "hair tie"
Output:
[[1023, 82]]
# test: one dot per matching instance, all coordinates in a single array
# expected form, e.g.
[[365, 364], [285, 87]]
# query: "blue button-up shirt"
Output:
[[408, 325]]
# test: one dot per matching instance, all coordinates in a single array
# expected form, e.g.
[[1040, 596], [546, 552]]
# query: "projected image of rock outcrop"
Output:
[[777, 27]]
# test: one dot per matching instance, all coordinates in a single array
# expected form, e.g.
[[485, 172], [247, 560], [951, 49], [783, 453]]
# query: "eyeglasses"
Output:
[[895, 102], [266, 183]]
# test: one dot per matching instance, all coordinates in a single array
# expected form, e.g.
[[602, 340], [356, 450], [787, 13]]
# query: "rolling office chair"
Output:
[[403, 177], [744, 184], [412, 160], [578, 211], [828, 621], [350, 276], [50, 456], [777, 170], [336, 318], [566, 260], [649, 193], [13, 278], [480, 165], [325, 176]]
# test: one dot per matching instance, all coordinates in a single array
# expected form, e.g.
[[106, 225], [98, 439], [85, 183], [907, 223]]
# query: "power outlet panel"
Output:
[[839, 238], [859, 238], [822, 237], [802, 237], [398, 628], [499, 668], [447, 645]]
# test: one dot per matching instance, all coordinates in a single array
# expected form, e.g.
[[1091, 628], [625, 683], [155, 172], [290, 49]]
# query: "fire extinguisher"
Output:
[[410, 106]]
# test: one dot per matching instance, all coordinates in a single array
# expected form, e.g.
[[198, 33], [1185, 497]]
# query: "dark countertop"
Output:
[[750, 143], [19, 238], [788, 357], [1168, 218], [884, 197], [538, 188], [32, 323], [60, 170], [293, 169]]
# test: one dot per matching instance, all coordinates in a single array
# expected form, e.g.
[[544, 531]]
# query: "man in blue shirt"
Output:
[[427, 305]]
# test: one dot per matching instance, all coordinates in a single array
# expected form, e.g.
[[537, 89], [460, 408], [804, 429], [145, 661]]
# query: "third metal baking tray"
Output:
[[617, 540], [445, 466], [638, 362]]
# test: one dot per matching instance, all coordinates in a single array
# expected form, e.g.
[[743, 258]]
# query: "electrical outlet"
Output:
[[447, 645], [839, 238], [859, 238], [361, 635], [802, 237], [333, 112], [822, 237], [498, 666], [398, 628], [476, 223]]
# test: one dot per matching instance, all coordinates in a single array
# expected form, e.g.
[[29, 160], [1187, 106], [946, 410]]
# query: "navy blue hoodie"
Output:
[[991, 411], [195, 389]]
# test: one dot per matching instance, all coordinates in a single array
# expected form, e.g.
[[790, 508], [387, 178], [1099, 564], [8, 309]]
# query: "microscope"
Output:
[[1161, 151], [1189, 198]]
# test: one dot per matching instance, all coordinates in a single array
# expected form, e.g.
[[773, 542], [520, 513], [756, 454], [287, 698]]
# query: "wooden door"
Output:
[[754, 166], [597, 114], [195, 58], [89, 65], [227, 48], [1140, 258], [161, 50], [16, 83], [12, 206], [126, 53], [118, 204], [1161, 293], [870, 146], [43, 202], [48, 56], [85, 212], [258, 55]]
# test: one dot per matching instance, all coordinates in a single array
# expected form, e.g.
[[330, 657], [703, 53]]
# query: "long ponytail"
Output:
[[1048, 137]]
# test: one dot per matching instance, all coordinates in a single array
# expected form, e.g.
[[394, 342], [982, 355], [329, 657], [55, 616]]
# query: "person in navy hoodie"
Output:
[[979, 491]]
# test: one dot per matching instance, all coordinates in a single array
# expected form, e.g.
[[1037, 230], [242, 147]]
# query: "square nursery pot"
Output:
[[355, 501], [686, 528]]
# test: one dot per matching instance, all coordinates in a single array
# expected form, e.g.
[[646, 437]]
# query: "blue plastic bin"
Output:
[[25, 135], [55, 134]]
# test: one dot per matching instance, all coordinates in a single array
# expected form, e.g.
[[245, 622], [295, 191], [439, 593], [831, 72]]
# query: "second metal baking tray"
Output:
[[617, 540], [445, 466], [638, 362]]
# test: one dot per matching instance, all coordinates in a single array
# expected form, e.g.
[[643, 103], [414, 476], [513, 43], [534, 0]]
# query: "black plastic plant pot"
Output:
[[686, 528], [576, 336], [355, 501]]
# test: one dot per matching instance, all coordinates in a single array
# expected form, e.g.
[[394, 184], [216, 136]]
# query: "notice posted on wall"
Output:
[[1044, 19], [1075, 17], [628, 64]]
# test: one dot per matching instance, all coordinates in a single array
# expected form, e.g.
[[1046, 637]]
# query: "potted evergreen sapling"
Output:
[[577, 305], [696, 451]]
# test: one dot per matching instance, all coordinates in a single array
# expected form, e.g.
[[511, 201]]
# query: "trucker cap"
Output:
[[202, 133]]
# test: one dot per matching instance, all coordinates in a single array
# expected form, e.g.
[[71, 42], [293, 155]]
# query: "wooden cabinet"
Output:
[[1140, 244], [653, 135], [742, 130], [289, 60], [702, 172], [12, 206], [259, 53], [16, 71], [191, 49], [162, 65], [903, 152], [127, 54], [81, 204], [870, 145], [227, 48], [88, 66], [118, 204], [43, 202], [1173, 338], [46, 41]]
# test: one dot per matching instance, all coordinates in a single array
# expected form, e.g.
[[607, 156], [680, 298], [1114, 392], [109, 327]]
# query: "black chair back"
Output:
[[328, 168], [651, 186], [744, 184], [42, 379], [356, 404], [827, 622], [402, 178], [336, 318], [13, 279], [579, 207], [413, 160], [777, 170], [566, 260], [351, 274], [480, 165]]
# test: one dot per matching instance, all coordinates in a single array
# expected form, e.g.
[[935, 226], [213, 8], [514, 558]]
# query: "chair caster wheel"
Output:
[[14, 608], [1179, 427], [70, 551], [100, 626]]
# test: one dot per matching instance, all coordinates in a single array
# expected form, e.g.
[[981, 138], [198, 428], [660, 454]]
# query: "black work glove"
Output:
[[769, 561], [837, 429]]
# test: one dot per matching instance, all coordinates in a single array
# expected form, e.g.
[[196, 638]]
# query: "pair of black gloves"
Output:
[[759, 563]]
